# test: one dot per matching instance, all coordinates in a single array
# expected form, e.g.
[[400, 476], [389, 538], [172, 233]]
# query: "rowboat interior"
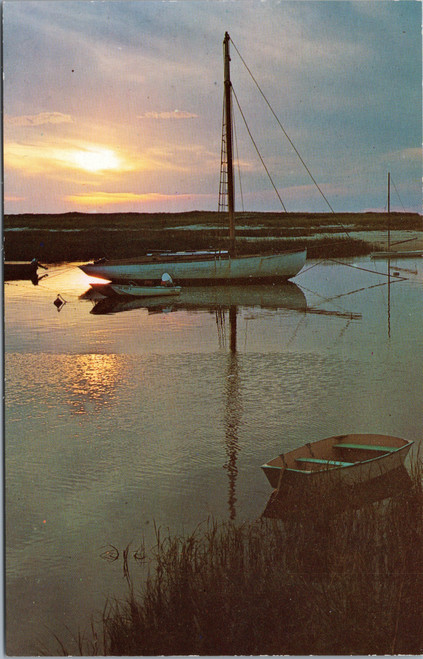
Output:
[[338, 452]]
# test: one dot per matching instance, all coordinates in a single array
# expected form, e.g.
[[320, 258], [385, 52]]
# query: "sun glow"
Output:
[[95, 160], [101, 198], [45, 158], [97, 280]]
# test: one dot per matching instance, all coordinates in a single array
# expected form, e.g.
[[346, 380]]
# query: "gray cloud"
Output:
[[175, 114], [38, 119]]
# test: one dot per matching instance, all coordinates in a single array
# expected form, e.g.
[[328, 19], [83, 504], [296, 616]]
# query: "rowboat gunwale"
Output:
[[113, 290], [330, 467], [283, 463], [123, 290]]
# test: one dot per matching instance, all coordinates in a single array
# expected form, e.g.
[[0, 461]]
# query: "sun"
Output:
[[95, 159]]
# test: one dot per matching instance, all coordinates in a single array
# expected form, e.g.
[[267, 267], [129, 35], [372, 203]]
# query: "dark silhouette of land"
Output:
[[83, 236]]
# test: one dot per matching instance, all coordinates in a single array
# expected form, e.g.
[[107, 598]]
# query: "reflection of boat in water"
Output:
[[208, 267], [293, 500], [354, 458], [131, 290], [278, 296]]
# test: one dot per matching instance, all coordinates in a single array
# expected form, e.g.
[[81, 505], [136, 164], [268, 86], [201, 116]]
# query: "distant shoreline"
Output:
[[85, 236], [252, 216]]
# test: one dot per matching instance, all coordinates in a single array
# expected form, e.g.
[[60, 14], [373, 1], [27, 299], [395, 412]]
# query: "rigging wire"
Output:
[[238, 166], [393, 183], [373, 272], [287, 136], [309, 268], [258, 152], [61, 272], [283, 129], [399, 242]]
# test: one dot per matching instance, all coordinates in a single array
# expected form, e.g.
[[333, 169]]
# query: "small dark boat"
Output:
[[19, 270], [15, 270]]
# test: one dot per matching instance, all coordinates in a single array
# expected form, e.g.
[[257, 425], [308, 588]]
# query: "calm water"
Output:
[[119, 419]]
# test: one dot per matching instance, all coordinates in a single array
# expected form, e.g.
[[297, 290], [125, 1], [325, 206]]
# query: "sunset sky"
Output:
[[117, 106]]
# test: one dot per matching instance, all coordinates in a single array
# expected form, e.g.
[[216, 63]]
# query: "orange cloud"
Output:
[[80, 156], [103, 198], [38, 119], [11, 198], [75, 156]]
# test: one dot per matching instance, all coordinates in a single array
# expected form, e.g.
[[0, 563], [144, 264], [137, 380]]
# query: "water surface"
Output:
[[121, 419]]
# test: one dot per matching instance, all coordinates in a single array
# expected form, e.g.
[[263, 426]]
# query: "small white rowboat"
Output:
[[131, 290], [349, 459], [145, 291]]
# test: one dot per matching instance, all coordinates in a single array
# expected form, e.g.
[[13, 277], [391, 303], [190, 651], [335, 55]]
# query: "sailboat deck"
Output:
[[185, 257]]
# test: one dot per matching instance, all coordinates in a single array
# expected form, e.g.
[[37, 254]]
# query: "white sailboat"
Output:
[[206, 267]]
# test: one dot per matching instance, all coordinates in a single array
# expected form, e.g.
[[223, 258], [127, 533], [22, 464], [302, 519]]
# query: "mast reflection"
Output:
[[233, 413], [389, 298]]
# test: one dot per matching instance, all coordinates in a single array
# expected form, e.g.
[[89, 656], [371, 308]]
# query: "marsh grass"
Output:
[[79, 236], [364, 221], [60, 246], [330, 582]]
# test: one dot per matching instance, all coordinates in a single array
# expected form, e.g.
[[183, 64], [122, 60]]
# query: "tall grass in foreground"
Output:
[[348, 583]]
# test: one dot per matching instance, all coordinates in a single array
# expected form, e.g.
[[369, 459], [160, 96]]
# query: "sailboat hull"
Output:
[[209, 269]]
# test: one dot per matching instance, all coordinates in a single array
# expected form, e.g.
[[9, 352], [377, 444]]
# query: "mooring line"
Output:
[[373, 272], [307, 269], [326, 299]]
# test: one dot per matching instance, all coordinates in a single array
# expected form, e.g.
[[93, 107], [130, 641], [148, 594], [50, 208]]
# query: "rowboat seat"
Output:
[[331, 463], [368, 447]]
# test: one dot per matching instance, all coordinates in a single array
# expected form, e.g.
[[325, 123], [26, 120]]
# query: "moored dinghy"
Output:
[[145, 291], [165, 289], [349, 459], [20, 270]]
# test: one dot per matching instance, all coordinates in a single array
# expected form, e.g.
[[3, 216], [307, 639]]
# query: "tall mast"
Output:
[[228, 124]]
